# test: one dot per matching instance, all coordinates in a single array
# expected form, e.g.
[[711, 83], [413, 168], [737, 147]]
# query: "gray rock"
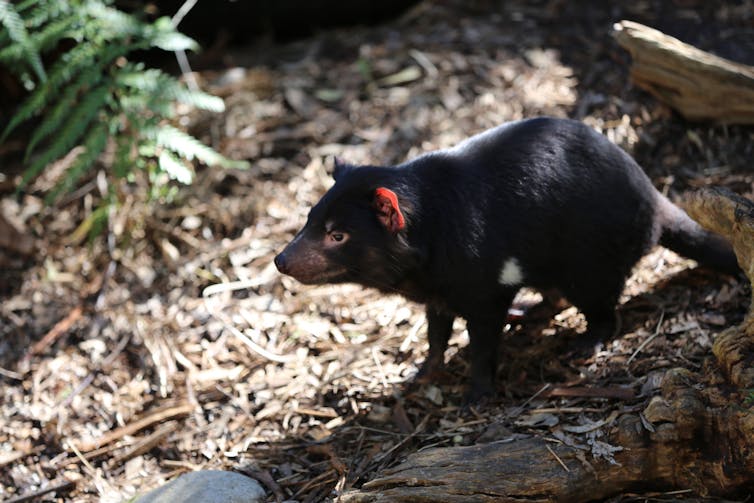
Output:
[[207, 486]]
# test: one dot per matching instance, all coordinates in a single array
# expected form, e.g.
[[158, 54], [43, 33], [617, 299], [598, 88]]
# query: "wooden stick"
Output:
[[131, 428], [603, 392], [60, 486], [699, 85], [145, 444], [56, 332]]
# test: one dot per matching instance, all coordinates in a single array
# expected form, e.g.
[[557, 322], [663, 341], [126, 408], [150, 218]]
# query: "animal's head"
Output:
[[355, 233]]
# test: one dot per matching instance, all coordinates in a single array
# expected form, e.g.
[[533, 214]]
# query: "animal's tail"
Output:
[[683, 235]]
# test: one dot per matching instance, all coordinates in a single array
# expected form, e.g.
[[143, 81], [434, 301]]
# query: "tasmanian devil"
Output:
[[546, 203]]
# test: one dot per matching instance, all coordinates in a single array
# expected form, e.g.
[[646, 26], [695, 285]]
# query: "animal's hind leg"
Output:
[[597, 303]]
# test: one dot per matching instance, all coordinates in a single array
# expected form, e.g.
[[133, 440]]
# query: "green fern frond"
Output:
[[54, 32], [70, 132], [42, 41], [113, 23], [70, 64], [173, 41], [162, 34], [94, 145], [155, 82], [55, 117], [12, 22], [188, 147], [140, 104], [44, 11], [84, 98], [27, 4], [61, 72], [116, 24], [123, 162], [175, 168]]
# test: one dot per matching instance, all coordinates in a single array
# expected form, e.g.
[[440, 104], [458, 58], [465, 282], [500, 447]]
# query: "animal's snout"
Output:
[[281, 263]]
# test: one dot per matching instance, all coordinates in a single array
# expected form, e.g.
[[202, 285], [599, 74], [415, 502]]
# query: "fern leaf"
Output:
[[190, 148], [70, 132], [94, 145], [69, 65], [53, 33], [173, 41], [12, 22], [155, 82], [163, 34], [142, 103], [123, 163], [22, 6], [60, 73], [186, 145], [43, 12], [114, 23], [175, 168], [63, 107]]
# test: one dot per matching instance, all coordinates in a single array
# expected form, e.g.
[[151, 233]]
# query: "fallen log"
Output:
[[697, 434], [732, 216], [699, 85]]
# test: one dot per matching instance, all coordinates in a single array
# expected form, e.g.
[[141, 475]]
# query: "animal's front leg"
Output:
[[439, 329], [484, 341]]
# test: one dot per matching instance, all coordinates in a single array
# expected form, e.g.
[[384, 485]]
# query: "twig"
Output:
[[182, 11], [424, 62], [55, 333], [15, 456], [230, 286], [648, 339], [83, 459], [412, 333], [584, 392], [566, 410], [131, 428], [518, 410], [145, 444], [11, 375], [317, 481], [180, 55], [557, 458], [60, 486], [265, 478], [177, 233], [104, 366], [64, 325], [418, 430], [379, 367]]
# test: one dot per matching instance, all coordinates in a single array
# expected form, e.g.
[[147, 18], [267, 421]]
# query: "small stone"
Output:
[[207, 486]]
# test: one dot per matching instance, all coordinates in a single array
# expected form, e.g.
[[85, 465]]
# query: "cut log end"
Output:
[[699, 85]]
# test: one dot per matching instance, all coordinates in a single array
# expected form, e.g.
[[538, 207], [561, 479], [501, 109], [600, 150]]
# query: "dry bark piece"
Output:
[[721, 211], [699, 85]]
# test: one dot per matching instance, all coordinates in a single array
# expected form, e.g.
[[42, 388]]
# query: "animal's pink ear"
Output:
[[388, 210]]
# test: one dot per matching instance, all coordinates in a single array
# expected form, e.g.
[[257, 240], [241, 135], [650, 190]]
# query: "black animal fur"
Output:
[[574, 210]]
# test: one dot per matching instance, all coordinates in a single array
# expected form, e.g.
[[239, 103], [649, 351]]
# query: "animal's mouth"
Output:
[[329, 276]]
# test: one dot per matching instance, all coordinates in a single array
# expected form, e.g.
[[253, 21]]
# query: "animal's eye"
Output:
[[336, 237]]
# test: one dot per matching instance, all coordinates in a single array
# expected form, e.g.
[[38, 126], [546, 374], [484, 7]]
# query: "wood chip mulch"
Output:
[[170, 343]]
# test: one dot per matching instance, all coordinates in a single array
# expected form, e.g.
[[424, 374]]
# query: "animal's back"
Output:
[[571, 207]]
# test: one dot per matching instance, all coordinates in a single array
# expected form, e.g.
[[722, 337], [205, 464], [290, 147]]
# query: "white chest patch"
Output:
[[511, 273]]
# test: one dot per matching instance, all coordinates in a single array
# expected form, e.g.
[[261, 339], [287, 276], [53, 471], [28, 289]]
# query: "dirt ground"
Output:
[[170, 343]]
